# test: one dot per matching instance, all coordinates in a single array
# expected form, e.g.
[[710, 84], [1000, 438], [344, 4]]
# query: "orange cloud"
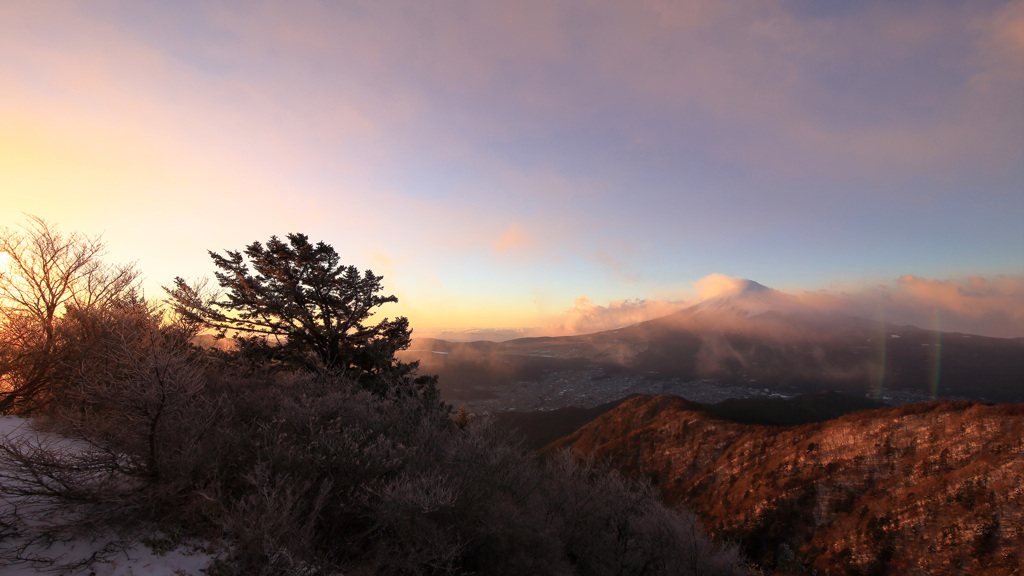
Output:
[[976, 297], [1006, 30], [514, 238], [585, 316], [976, 305], [985, 306], [718, 285]]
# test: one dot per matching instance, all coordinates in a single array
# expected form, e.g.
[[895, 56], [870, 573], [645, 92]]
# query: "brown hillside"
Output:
[[934, 488]]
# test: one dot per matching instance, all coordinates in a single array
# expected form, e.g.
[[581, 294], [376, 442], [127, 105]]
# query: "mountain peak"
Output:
[[744, 287], [743, 297], [739, 290], [720, 285]]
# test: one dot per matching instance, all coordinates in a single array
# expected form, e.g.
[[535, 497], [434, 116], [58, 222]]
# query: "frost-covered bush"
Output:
[[342, 478], [312, 474]]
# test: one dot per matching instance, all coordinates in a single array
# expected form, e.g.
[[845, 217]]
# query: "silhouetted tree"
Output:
[[44, 274], [295, 301]]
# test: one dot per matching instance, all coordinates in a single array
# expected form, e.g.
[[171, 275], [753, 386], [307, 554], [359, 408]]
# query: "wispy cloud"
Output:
[[585, 316], [992, 306], [514, 238], [499, 150], [715, 285], [985, 306]]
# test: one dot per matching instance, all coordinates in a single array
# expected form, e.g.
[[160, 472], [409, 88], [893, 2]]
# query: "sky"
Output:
[[539, 166]]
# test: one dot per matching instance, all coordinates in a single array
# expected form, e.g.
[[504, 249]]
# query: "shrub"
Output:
[[44, 274], [307, 476], [311, 457]]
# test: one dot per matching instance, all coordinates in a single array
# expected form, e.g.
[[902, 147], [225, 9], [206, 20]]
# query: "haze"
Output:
[[541, 167]]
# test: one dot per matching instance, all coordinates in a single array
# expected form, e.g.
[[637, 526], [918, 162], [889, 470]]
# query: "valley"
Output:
[[753, 343], [822, 444]]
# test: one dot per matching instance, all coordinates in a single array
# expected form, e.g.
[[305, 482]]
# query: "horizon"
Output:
[[929, 305], [540, 168]]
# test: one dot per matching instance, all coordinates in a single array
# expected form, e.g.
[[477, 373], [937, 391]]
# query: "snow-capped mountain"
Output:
[[745, 306], [747, 298]]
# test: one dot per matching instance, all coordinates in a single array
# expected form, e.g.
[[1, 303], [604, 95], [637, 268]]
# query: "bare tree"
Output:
[[127, 416], [44, 273]]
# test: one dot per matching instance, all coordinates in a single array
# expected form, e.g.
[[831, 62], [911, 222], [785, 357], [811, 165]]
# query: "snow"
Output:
[[747, 298], [136, 559]]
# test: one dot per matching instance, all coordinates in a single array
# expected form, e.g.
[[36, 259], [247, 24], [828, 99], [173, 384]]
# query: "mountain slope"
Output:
[[752, 336], [540, 428], [934, 488]]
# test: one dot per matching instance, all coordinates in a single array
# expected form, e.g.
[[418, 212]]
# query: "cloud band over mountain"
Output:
[[992, 306]]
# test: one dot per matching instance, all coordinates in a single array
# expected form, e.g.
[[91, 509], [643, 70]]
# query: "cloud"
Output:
[[514, 238], [976, 305], [477, 334], [585, 316], [439, 125], [991, 306], [714, 285], [783, 89]]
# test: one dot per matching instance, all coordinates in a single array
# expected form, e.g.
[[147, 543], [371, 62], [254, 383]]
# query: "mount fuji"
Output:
[[752, 336]]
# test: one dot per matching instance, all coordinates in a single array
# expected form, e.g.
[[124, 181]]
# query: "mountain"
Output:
[[745, 299], [762, 335], [753, 309], [539, 428], [933, 488], [542, 427], [802, 409], [749, 341]]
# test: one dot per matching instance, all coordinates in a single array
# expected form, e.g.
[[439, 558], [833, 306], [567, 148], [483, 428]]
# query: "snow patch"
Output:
[[132, 558]]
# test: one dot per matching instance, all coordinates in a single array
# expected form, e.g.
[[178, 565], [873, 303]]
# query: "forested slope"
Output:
[[934, 488]]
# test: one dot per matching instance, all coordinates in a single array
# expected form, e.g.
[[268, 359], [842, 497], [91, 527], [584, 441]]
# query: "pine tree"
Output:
[[300, 306]]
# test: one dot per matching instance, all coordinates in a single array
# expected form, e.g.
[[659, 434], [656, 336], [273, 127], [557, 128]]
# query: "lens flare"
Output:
[[879, 366], [935, 357]]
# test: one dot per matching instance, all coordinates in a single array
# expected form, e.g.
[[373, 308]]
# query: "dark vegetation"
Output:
[[933, 488], [538, 429], [478, 370], [299, 306], [306, 447], [802, 409]]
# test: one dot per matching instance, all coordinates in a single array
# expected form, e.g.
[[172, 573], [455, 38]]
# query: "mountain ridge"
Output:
[[540, 428], [745, 339], [930, 488]]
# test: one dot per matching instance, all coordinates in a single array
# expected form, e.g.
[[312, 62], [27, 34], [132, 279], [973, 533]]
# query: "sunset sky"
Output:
[[543, 165]]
